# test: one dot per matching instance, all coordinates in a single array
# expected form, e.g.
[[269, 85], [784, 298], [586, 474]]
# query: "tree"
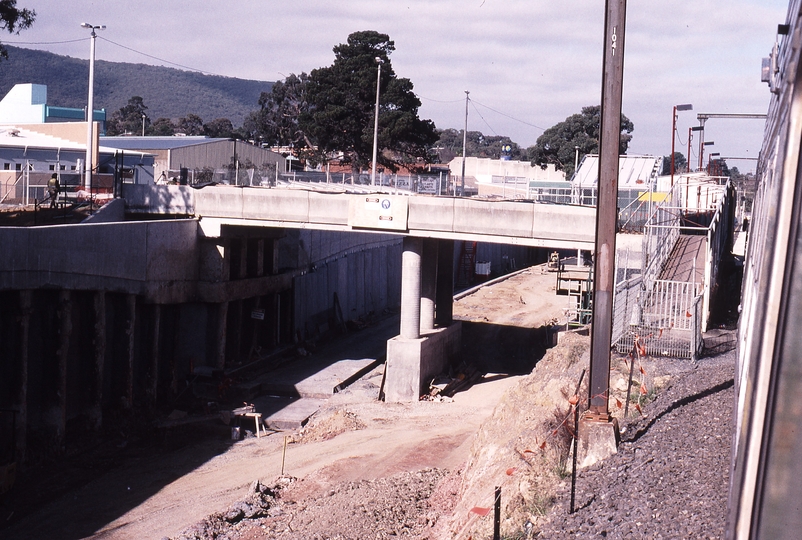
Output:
[[191, 124], [557, 145], [162, 127], [13, 20], [128, 119], [449, 145], [276, 121], [341, 101], [219, 128], [680, 164]]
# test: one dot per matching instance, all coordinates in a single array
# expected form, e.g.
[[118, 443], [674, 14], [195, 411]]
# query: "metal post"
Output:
[[688, 161], [673, 137], [379, 61], [576, 159], [497, 515], [464, 146], [90, 107], [606, 214], [701, 142]]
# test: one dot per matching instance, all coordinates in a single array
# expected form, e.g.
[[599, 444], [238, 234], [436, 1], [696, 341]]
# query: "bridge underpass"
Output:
[[428, 336]]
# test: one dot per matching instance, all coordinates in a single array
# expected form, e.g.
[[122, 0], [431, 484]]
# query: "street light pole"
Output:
[[90, 111], [702, 152], [464, 146], [576, 158], [685, 107], [379, 61], [143, 124], [690, 138]]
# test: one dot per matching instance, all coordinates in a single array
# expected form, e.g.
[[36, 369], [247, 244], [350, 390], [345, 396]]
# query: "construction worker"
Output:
[[52, 188]]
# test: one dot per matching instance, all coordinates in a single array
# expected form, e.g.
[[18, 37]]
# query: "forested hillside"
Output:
[[167, 92]]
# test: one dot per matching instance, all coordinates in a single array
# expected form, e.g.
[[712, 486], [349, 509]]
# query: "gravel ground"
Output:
[[670, 476]]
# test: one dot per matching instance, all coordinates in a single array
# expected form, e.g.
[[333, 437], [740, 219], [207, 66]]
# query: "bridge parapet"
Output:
[[516, 222]]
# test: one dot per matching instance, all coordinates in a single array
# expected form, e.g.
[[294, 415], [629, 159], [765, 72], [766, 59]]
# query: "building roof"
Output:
[[156, 143], [633, 171], [20, 137]]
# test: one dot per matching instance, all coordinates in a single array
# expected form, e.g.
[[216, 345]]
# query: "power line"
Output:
[[440, 100], [483, 119], [508, 116], [119, 45], [161, 59], [43, 42]]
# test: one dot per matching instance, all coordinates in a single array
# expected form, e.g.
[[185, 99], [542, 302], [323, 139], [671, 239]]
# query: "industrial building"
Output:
[[205, 159], [27, 104]]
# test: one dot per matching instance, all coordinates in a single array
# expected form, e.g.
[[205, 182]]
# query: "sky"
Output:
[[528, 64]]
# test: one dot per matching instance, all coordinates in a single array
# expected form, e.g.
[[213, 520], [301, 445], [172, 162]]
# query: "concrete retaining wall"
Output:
[[363, 270], [132, 257]]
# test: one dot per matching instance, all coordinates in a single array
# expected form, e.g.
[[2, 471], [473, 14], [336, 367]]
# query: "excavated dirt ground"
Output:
[[364, 469]]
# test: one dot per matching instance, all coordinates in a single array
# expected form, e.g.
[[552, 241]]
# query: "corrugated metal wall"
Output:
[[220, 153]]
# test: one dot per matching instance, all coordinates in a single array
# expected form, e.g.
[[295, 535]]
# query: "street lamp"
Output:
[[576, 159], [379, 62], [684, 107], [90, 111], [143, 124], [713, 157], [702, 152], [690, 138]]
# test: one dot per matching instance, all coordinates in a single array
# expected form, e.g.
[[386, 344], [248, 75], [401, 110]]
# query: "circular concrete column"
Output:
[[428, 284], [410, 287]]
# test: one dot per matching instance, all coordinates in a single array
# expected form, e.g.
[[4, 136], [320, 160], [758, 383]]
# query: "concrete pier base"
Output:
[[598, 439], [412, 363]]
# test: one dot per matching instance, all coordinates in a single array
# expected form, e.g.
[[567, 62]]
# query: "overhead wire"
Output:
[[510, 117], [43, 42], [440, 100], [482, 117], [119, 45], [160, 59]]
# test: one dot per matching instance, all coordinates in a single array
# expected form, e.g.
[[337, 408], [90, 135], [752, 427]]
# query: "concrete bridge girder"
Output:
[[435, 219]]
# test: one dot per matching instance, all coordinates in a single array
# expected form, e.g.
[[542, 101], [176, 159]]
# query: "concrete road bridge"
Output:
[[500, 221], [428, 335]]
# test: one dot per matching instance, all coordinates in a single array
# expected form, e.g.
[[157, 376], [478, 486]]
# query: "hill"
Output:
[[167, 92]]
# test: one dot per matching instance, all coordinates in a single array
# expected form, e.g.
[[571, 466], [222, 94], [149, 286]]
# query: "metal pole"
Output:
[[576, 159], [379, 61], [688, 161], [606, 207], [90, 114], [701, 143], [673, 136], [464, 146], [497, 515]]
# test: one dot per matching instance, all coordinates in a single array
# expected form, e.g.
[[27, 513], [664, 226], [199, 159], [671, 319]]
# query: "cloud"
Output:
[[534, 60]]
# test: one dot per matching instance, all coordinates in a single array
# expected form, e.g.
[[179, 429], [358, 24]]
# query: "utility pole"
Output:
[[464, 146], [379, 62], [90, 112], [598, 431]]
